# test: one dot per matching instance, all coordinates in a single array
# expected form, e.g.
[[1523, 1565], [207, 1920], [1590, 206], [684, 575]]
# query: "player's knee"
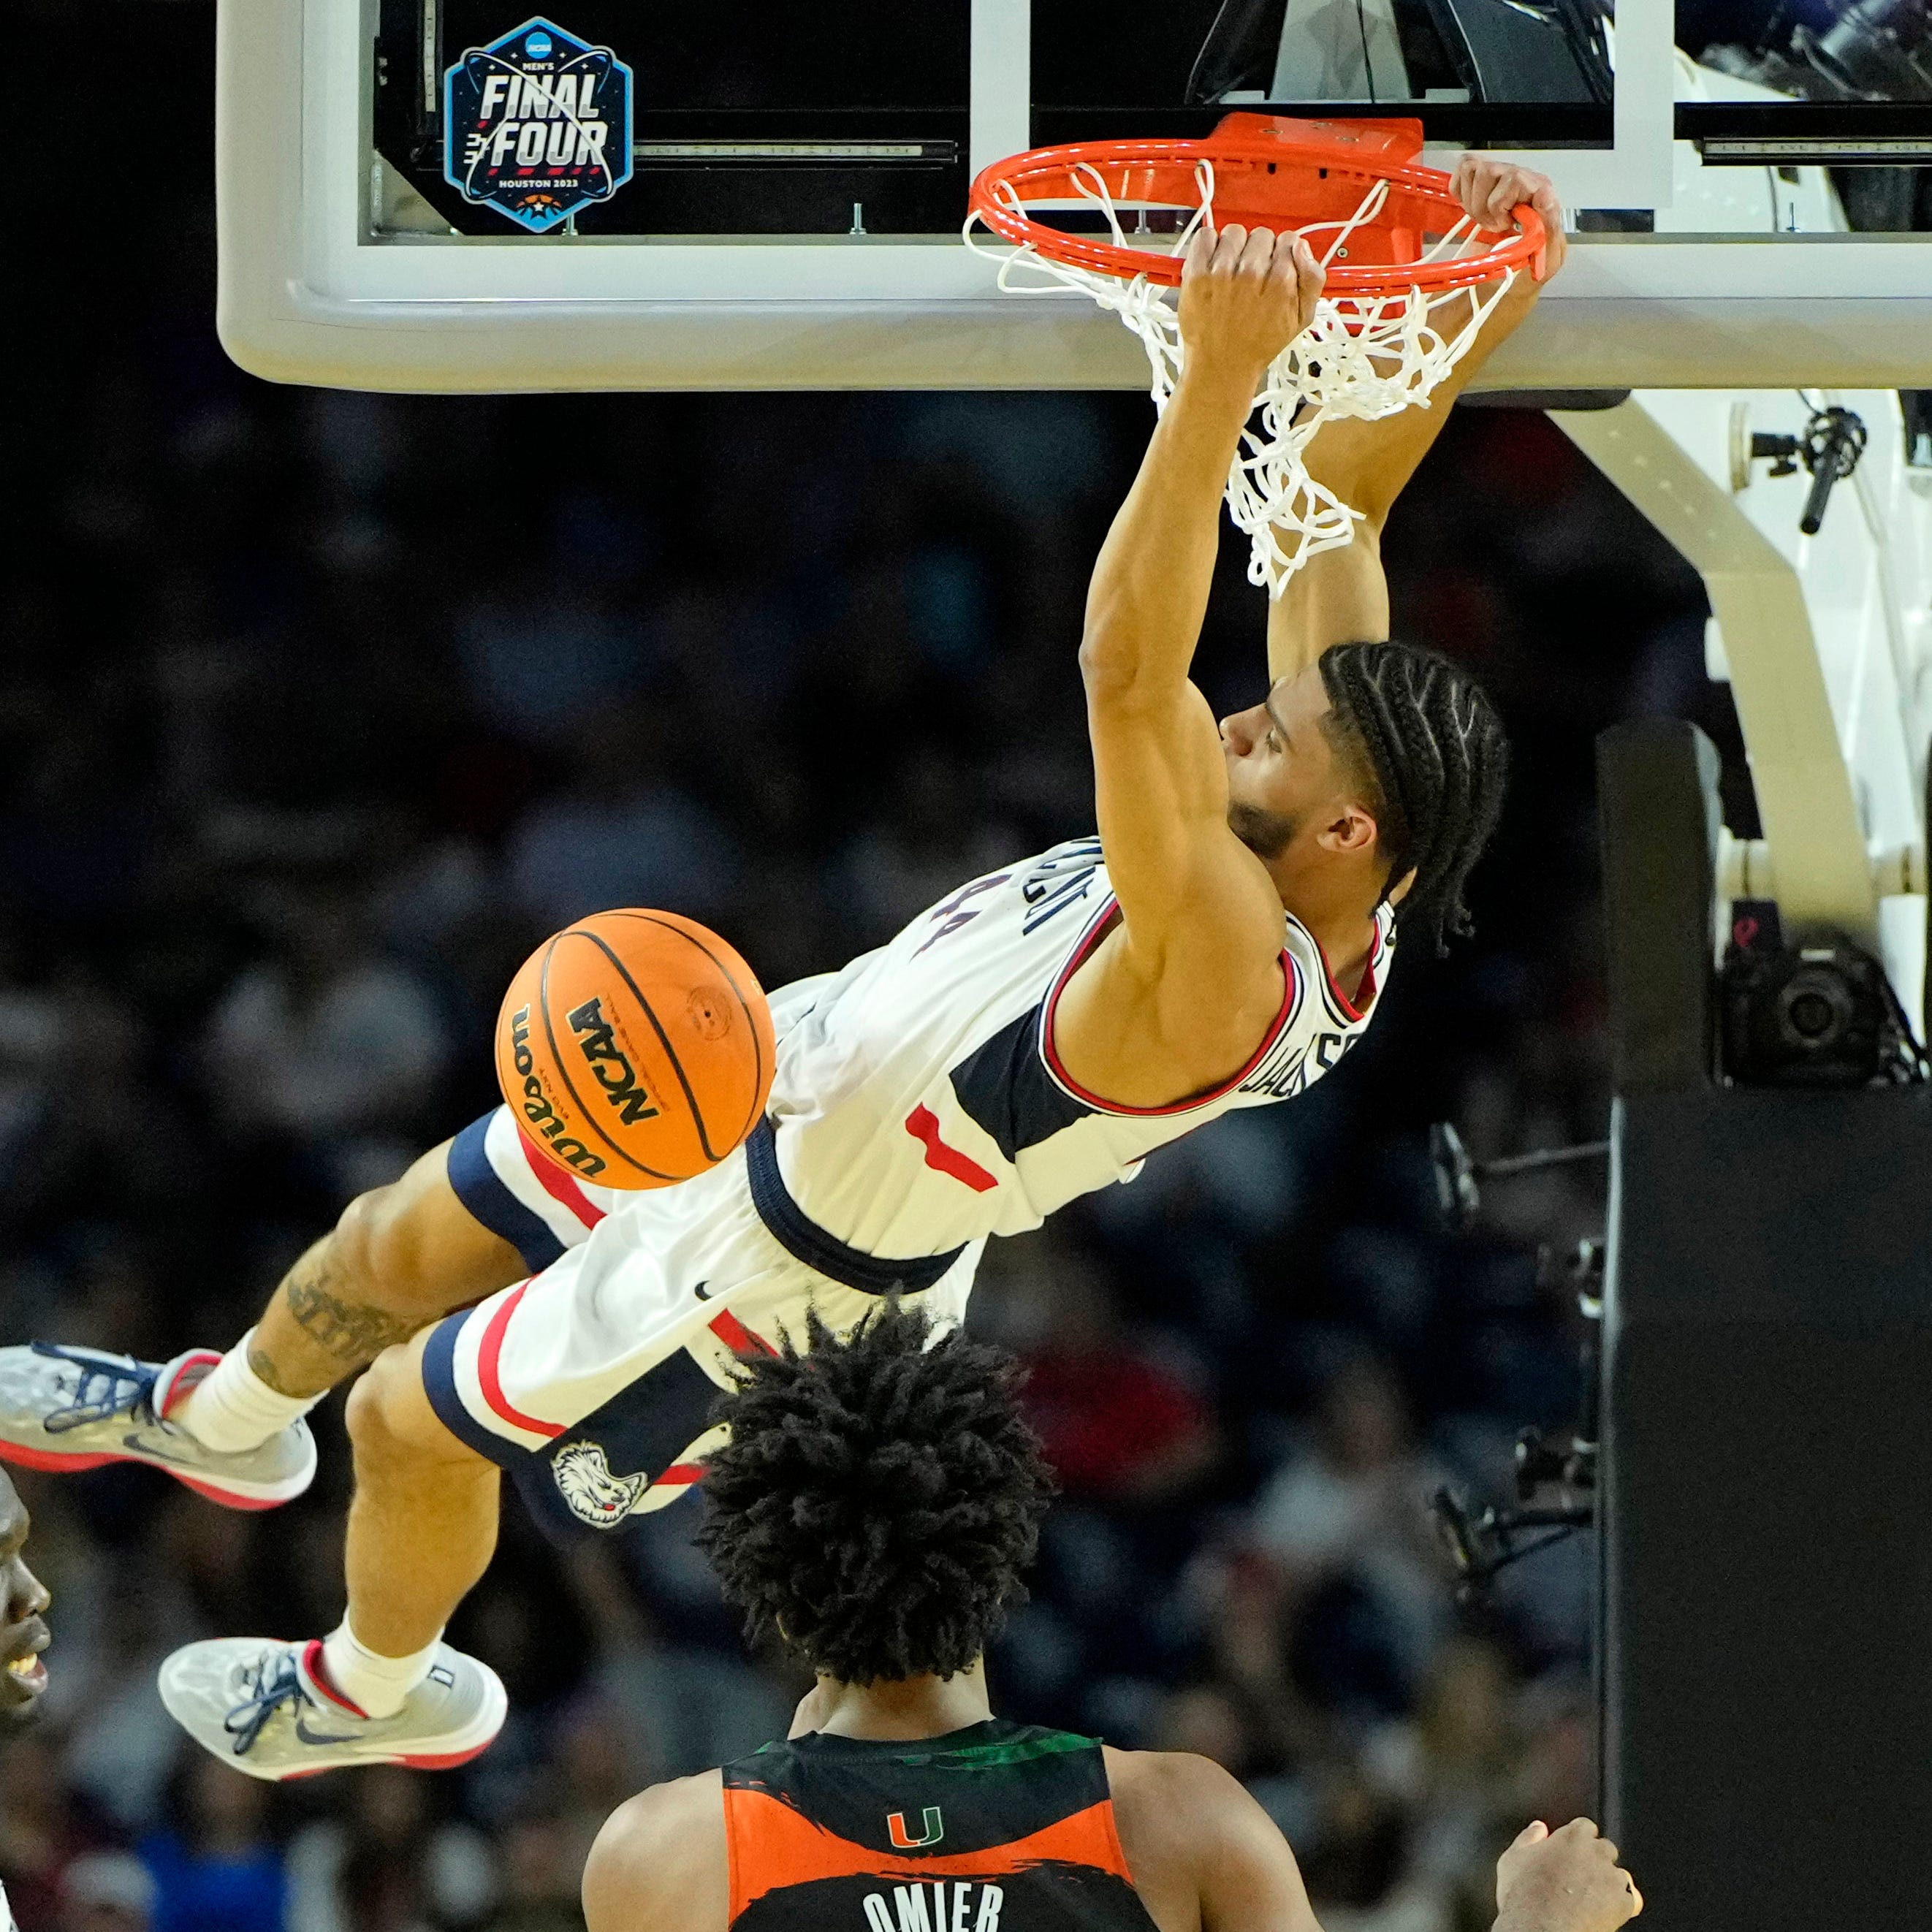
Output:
[[374, 1252], [389, 1418], [369, 1411]]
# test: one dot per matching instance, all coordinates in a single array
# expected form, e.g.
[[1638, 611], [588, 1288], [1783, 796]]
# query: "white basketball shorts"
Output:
[[593, 1382]]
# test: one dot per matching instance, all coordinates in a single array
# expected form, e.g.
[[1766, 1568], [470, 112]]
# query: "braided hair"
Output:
[[1430, 751], [877, 1499]]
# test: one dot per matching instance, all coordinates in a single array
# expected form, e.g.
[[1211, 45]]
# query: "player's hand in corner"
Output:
[[1245, 295], [1491, 188], [1567, 1880]]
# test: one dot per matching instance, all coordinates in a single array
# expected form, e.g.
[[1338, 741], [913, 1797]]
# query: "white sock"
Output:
[[234, 1409], [379, 1686]]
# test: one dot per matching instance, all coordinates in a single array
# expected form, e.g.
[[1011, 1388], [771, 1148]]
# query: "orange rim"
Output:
[[1262, 173]]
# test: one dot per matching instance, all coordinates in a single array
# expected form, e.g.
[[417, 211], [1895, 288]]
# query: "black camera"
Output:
[[1822, 1015]]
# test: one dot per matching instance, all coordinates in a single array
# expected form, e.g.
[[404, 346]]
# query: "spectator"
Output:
[[327, 1040], [622, 834], [107, 1891], [389, 1863], [1121, 1425], [1354, 1510], [893, 871], [1356, 1863], [541, 1874], [655, 1710], [217, 1870], [122, 1747], [40, 1830]]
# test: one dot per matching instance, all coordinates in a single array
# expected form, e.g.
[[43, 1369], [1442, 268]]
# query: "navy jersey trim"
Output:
[[804, 1241], [481, 1189], [1003, 1086]]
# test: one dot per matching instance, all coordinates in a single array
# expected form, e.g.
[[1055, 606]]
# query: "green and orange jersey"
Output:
[[999, 1827]]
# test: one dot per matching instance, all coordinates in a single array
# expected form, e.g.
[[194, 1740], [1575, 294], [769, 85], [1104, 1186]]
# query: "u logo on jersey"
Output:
[[903, 1841]]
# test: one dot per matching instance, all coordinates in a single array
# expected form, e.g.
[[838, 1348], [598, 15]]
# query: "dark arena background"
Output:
[[318, 709]]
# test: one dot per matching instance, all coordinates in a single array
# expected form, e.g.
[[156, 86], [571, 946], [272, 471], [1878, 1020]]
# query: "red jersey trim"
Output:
[[489, 1357], [1291, 1000], [736, 1336], [559, 1186], [1366, 991]]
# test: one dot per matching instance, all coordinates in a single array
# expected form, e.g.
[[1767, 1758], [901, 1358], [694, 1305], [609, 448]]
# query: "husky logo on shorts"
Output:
[[594, 1495], [537, 124]]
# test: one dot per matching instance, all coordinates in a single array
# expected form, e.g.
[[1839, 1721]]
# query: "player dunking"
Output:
[[1220, 944], [874, 1510]]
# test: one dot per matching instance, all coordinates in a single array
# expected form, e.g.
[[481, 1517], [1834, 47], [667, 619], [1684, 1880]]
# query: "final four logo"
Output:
[[537, 125]]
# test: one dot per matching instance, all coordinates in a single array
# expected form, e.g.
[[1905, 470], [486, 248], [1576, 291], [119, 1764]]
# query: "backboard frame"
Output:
[[310, 293]]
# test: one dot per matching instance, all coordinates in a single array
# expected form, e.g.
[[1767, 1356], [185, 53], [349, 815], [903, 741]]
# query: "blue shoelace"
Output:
[[276, 1682], [107, 1388]]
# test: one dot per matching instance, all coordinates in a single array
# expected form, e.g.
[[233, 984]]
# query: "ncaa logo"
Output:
[[537, 124]]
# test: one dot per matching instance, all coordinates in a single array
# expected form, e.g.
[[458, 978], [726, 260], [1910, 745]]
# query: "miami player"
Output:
[[1220, 944], [873, 1510], [23, 1629]]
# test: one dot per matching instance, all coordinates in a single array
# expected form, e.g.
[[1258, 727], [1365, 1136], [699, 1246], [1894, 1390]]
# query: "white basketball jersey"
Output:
[[919, 1103]]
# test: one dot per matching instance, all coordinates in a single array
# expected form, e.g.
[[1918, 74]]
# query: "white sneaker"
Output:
[[76, 1408], [259, 1705]]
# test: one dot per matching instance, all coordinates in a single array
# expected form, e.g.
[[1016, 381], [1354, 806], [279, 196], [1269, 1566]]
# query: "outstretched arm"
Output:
[[1192, 975], [1341, 596]]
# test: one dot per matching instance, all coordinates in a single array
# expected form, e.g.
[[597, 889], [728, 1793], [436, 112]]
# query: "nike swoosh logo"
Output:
[[309, 1737], [141, 1444]]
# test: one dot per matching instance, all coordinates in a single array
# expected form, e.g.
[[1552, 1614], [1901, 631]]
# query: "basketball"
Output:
[[635, 1048]]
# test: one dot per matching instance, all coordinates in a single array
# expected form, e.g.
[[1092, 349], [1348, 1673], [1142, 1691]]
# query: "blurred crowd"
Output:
[[317, 710]]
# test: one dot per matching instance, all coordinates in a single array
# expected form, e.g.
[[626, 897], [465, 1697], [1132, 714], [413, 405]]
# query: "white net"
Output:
[[1362, 357]]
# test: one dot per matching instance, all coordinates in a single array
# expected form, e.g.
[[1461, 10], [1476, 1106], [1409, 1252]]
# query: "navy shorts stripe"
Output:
[[479, 1189], [804, 1241], [642, 1430], [439, 1371]]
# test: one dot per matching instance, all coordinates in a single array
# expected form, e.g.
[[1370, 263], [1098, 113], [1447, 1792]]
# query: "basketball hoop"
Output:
[[1396, 243]]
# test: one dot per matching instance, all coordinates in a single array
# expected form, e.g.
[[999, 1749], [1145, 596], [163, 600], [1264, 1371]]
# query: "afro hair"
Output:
[[877, 1499]]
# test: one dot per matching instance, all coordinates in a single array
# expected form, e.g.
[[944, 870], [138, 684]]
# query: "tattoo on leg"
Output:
[[353, 1332], [258, 1361]]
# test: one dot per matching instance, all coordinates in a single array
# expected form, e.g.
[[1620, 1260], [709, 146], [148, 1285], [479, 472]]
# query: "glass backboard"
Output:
[[466, 194]]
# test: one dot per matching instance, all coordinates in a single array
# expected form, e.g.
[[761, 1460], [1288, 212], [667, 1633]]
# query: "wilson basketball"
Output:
[[635, 1048]]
